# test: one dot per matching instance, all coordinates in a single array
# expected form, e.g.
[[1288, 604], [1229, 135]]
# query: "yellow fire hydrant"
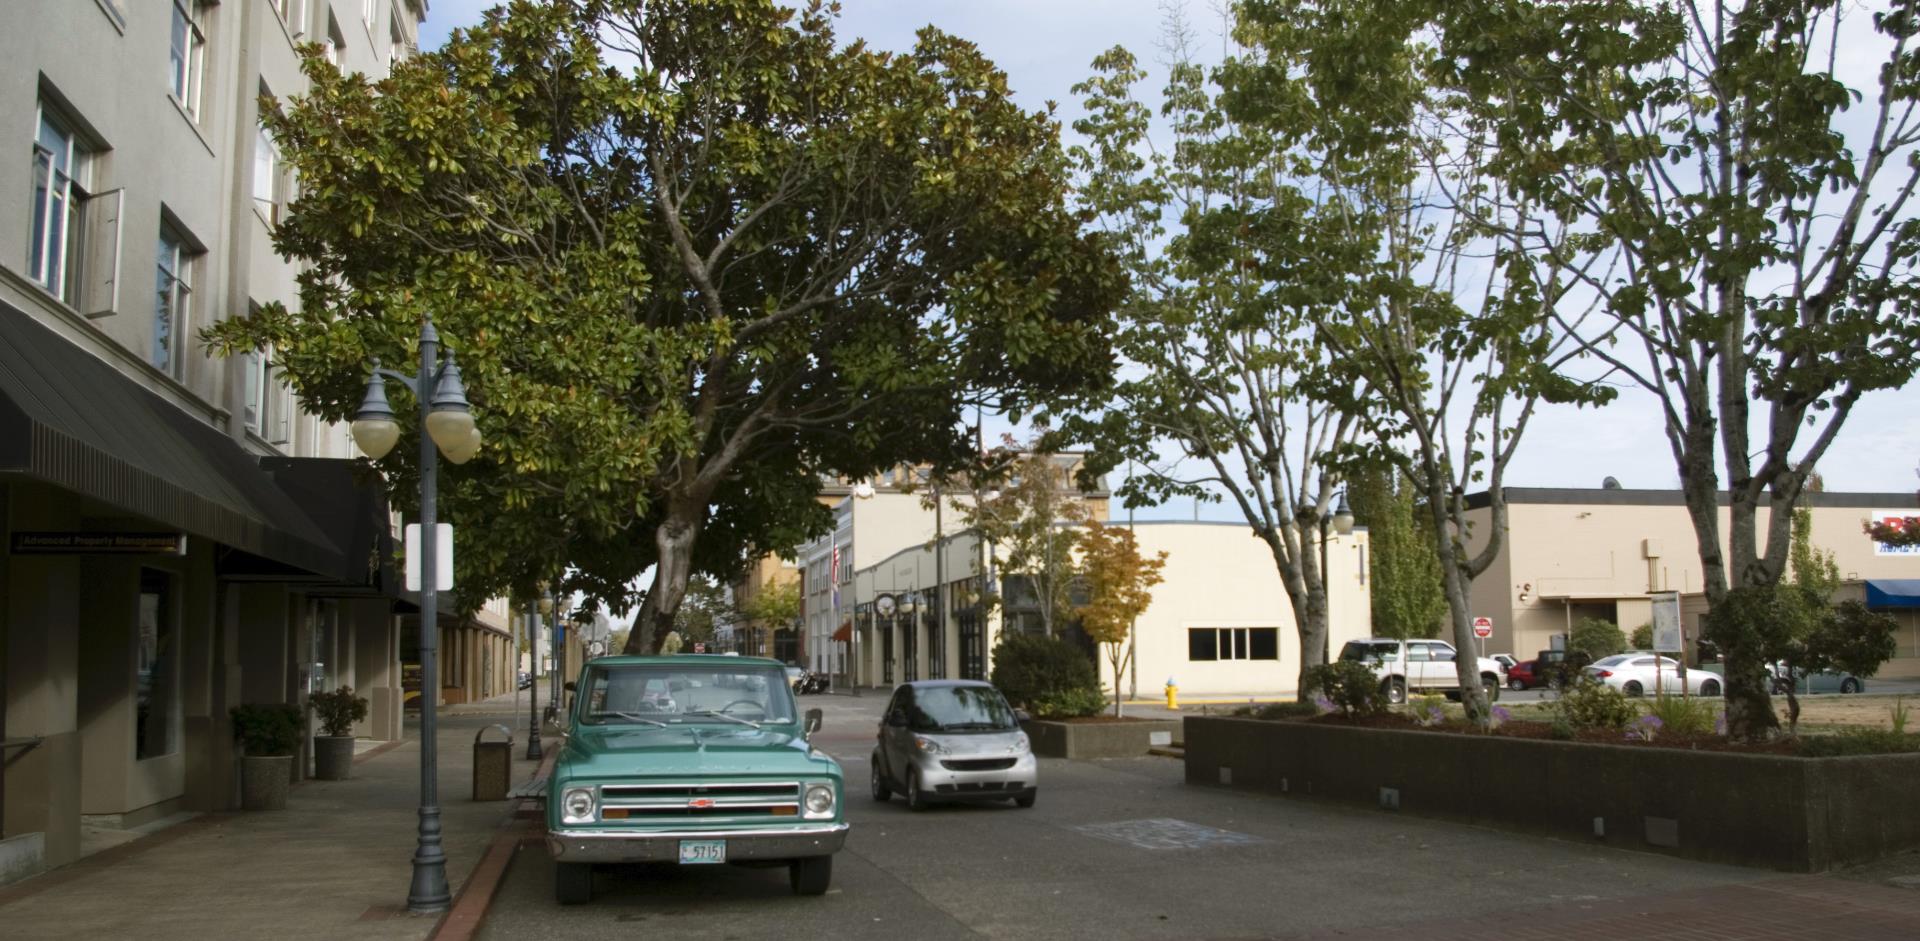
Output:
[[1173, 694]]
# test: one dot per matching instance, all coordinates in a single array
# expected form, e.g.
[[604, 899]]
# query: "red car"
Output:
[[1521, 676]]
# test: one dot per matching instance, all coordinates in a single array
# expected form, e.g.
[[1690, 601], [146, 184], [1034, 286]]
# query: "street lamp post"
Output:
[[446, 425], [1342, 520], [535, 751]]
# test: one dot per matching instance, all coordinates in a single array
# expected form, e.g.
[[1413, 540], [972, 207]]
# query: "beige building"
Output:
[[180, 537], [1574, 553]]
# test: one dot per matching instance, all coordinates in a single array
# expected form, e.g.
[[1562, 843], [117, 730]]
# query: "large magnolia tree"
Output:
[[693, 255]]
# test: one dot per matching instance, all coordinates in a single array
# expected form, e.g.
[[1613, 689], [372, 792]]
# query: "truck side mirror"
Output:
[[814, 719]]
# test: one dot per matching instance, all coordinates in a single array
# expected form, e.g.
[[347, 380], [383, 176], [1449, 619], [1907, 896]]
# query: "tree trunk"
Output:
[[1307, 593], [675, 538]]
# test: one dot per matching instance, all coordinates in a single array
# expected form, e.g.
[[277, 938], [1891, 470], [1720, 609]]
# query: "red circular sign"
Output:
[[1483, 627]]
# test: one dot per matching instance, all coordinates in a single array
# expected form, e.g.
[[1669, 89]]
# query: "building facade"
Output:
[[180, 536], [1576, 553]]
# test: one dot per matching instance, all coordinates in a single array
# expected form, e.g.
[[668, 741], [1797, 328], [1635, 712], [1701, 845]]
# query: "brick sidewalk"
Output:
[[334, 864]]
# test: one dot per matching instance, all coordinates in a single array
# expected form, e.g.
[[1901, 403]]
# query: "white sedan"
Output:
[[1638, 674]]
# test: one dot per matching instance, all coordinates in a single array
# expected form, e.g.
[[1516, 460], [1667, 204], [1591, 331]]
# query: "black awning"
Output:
[[70, 420]]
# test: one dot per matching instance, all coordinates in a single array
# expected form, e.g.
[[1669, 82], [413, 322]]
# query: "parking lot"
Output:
[[1116, 849]]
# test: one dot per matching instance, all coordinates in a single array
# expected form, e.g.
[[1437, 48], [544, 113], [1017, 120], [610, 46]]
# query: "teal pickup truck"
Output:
[[695, 760]]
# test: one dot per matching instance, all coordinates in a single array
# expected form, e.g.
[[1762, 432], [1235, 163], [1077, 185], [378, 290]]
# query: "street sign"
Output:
[[699, 647], [1483, 627], [1666, 622], [442, 563]]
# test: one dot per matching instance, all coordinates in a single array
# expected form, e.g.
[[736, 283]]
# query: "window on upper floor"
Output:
[[367, 10], [60, 163], [397, 50], [174, 262], [267, 188], [334, 49], [187, 55]]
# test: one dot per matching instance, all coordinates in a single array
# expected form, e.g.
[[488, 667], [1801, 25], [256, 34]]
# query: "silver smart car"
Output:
[[949, 740]]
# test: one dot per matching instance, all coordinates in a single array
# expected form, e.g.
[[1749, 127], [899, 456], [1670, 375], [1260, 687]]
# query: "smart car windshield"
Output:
[[655, 694], [960, 709]]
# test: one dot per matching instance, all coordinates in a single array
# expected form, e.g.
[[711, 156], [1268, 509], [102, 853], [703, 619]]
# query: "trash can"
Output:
[[492, 765]]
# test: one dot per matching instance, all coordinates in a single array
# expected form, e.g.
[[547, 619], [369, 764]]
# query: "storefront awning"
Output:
[[69, 420], [1885, 594], [845, 633]]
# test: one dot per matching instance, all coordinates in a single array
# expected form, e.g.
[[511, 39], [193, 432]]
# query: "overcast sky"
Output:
[[1045, 46]]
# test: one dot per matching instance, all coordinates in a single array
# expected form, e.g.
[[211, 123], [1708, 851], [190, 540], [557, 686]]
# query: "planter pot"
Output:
[[1084, 739], [264, 782], [1775, 811], [332, 757]]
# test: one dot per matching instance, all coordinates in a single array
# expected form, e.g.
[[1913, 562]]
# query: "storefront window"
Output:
[[153, 726]]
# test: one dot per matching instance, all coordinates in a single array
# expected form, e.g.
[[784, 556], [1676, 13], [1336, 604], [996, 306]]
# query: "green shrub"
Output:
[[1287, 710], [1070, 703], [1642, 637], [1350, 686], [1029, 668], [338, 710], [1561, 728], [1597, 637], [1897, 714], [267, 731], [1589, 704], [1682, 715], [1430, 709], [1858, 742]]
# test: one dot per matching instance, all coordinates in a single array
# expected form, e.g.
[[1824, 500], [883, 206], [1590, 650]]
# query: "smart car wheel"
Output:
[[915, 799], [881, 792], [572, 883], [810, 875], [1027, 799]]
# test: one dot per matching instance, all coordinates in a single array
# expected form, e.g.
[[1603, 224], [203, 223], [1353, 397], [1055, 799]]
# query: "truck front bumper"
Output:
[[603, 846]]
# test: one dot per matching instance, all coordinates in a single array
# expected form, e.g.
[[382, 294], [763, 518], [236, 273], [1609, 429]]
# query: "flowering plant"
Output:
[[1644, 729]]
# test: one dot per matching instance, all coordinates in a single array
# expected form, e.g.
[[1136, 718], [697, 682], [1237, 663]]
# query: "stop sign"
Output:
[[699, 647], [1483, 627]]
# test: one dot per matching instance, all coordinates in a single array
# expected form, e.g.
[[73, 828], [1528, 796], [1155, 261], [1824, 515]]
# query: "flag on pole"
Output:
[[833, 576]]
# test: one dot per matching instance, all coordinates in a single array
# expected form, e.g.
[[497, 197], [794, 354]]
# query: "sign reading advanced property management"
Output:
[[101, 543]]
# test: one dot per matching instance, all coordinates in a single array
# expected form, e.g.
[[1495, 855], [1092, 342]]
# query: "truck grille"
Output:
[[698, 801], [978, 764]]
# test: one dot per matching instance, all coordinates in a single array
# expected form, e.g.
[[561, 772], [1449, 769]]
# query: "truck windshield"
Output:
[[668, 694], [960, 709], [1360, 651]]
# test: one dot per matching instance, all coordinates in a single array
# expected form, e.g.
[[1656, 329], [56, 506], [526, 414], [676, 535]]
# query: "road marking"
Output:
[[1166, 833]]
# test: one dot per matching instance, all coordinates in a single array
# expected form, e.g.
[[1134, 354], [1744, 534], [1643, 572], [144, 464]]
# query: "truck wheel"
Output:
[[810, 875], [1396, 690], [573, 883], [1491, 684]]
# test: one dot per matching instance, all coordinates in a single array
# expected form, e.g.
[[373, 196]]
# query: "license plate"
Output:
[[698, 852]]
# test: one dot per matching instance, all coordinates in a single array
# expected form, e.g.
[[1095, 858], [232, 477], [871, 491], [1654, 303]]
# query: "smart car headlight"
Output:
[[576, 806], [930, 746], [820, 801], [1020, 744]]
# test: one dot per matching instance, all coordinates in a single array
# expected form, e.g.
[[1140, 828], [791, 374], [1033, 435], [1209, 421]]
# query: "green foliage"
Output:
[[1035, 496], [1641, 638], [1350, 686], [1589, 705], [1404, 570], [1799, 628], [1683, 715], [1897, 716], [338, 710], [773, 605], [694, 255], [1285, 710], [704, 608], [1429, 709], [1596, 637], [1810, 568], [268, 730], [1561, 728], [1119, 584], [1857, 742], [1030, 668], [1070, 703]]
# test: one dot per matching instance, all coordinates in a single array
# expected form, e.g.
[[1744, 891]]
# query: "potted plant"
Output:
[[268, 733], [333, 748]]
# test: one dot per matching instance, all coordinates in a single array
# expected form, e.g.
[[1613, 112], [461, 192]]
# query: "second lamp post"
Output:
[[446, 426]]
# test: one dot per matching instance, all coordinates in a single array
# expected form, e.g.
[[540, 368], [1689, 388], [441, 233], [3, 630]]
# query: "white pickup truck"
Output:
[[1428, 665]]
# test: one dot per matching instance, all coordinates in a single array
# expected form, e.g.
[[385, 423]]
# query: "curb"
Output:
[[469, 909], [379, 750]]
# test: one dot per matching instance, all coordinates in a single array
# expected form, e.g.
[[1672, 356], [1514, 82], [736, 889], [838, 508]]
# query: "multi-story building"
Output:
[[180, 537], [1579, 553]]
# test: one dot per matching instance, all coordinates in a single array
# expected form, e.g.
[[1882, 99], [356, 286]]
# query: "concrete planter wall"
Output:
[[1128, 739], [1794, 814], [264, 782], [332, 757]]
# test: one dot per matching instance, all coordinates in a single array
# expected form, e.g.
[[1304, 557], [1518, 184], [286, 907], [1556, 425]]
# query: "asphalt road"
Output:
[[1075, 867]]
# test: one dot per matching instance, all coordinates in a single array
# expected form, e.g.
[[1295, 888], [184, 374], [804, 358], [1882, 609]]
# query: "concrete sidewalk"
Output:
[[335, 864]]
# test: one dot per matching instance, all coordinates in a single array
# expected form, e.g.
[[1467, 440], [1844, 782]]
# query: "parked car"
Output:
[[1520, 676], [524, 680], [1823, 681], [953, 740], [696, 759], [1507, 661], [1429, 666], [1639, 674]]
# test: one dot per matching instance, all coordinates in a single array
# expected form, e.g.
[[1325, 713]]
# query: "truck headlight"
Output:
[[819, 802], [576, 806]]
